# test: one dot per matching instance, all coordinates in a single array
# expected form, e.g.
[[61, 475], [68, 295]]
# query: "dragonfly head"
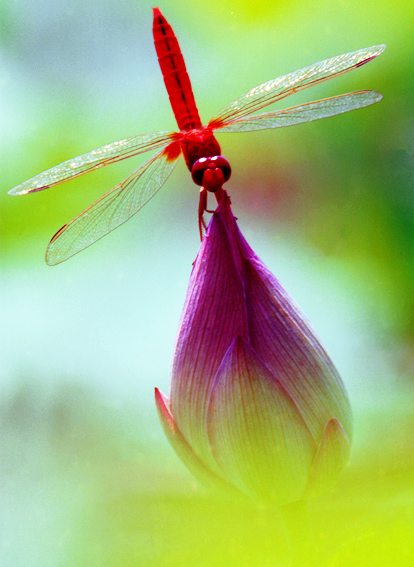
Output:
[[211, 172]]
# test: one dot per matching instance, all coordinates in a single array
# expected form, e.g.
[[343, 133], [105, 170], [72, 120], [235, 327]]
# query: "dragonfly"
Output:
[[195, 142]]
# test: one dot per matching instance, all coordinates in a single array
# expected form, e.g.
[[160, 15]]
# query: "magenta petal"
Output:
[[257, 435], [183, 449], [284, 340], [251, 386], [213, 314], [331, 457]]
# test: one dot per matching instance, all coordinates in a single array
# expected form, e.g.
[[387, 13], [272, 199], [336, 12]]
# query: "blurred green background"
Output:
[[86, 476]]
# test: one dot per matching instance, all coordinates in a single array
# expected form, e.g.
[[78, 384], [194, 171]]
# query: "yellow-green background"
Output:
[[86, 476]]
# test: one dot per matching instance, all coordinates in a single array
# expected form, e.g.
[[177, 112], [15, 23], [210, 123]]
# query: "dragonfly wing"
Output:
[[304, 112], [279, 88], [111, 210], [105, 155]]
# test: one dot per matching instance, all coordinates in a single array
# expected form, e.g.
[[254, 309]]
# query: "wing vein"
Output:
[[112, 209]]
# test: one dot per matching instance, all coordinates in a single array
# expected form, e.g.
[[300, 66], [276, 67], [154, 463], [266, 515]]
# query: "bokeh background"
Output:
[[86, 476]]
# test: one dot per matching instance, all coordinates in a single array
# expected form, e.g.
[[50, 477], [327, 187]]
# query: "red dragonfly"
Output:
[[197, 143]]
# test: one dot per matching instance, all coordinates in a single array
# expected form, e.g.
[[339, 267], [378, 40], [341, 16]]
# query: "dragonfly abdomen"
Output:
[[175, 74]]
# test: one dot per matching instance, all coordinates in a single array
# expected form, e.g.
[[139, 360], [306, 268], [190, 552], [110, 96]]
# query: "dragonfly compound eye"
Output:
[[211, 172]]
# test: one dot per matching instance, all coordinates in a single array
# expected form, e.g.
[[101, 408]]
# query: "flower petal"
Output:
[[214, 313], [257, 435], [331, 457], [183, 449], [285, 341]]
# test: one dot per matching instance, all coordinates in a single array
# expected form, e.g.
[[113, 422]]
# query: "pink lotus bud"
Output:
[[256, 404]]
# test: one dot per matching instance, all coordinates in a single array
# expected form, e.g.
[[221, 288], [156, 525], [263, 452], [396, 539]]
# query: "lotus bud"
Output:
[[256, 405]]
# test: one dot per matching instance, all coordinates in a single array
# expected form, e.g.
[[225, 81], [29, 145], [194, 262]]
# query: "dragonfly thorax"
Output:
[[211, 172], [197, 144]]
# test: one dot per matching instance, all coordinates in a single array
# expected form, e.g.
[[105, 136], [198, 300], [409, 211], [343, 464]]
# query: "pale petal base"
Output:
[[184, 450], [257, 434]]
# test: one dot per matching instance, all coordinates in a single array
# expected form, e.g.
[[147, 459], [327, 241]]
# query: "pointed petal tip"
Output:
[[158, 394], [185, 452], [330, 459], [166, 418]]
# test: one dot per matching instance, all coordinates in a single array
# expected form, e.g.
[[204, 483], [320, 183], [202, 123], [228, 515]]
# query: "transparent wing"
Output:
[[111, 210], [105, 155], [304, 112], [279, 88]]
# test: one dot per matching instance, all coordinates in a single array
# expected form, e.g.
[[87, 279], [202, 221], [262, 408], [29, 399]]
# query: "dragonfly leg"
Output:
[[218, 194], [202, 207]]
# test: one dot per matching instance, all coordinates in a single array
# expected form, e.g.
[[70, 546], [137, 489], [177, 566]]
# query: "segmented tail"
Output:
[[175, 74]]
